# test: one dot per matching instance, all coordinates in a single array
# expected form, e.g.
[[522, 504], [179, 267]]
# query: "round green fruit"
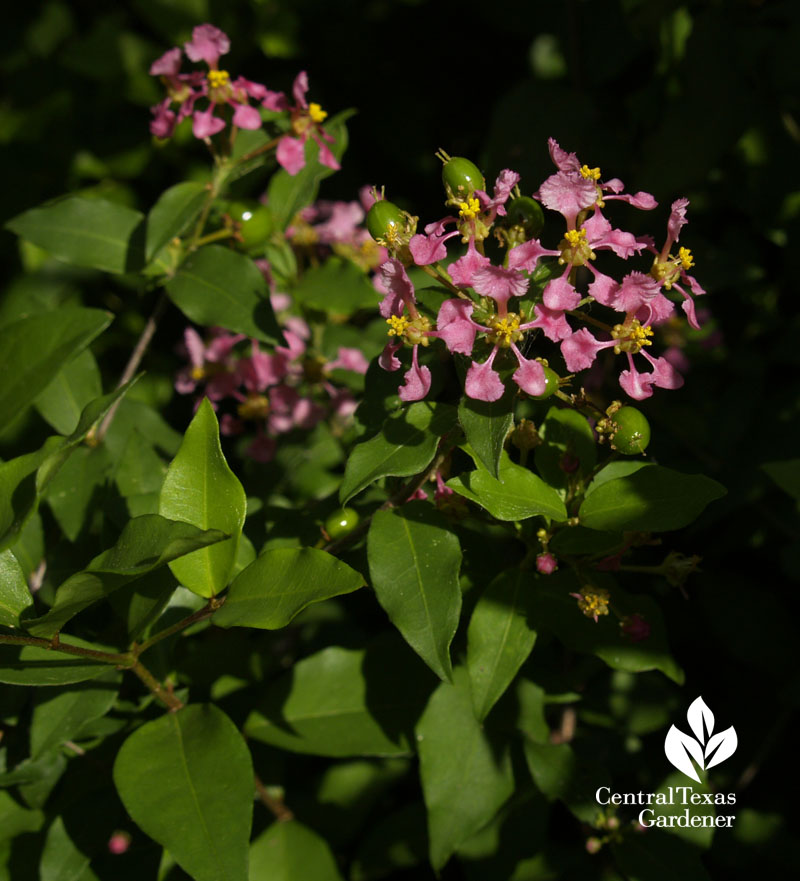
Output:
[[551, 384], [341, 522], [384, 219], [633, 431], [462, 177], [527, 213], [254, 221]]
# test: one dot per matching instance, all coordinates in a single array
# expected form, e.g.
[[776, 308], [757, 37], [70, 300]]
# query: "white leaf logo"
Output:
[[707, 749]]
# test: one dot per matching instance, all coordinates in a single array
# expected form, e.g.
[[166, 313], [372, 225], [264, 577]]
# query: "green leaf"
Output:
[[187, 780], [16, 820], [564, 432], [414, 561], [202, 490], [561, 774], [35, 349], [218, 286], [61, 860], [557, 611], [405, 445], [486, 425], [292, 852], [613, 471], [61, 402], [288, 193], [516, 495], [175, 209], [652, 499], [397, 841], [86, 232], [280, 583], [700, 836], [344, 702], [60, 713], [337, 286], [146, 543], [15, 597], [465, 777], [658, 856], [31, 665], [785, 475], [73, 489], [500, 637]]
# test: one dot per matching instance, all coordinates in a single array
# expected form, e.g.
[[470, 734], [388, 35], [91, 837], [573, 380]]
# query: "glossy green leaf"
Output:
[[651, 499], [280, 583], [465, 777], [557, 611], [292, 852], [500, 636], [86, 232], [700, 836], [613, 471], [75, 487], [202, 490], [561, 774], [31, 665], [486, 425], [344, 702], [565, 432], [785, 475], [61, 859], [405, 445], [15, 819], [175, 209], [62, 400], [186, 779], [146, 543], [414, 562], [337, 286], [288, 193], [516, 495], [60, 713], [15, 597], [34, 350], [218, 286]]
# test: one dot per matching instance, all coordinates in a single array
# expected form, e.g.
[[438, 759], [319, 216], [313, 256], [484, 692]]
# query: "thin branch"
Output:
[[276, 805], [206, 612], [116, 659], [165, 695]]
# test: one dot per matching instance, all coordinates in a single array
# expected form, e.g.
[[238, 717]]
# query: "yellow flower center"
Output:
[[398, 325], [632, 337], [255, 407], [575, 248], [590, 173], [575, 236], [197, 373], [685, 257], [505, 331], [217, 79], [316, 112], [594, 602], [469, 209]]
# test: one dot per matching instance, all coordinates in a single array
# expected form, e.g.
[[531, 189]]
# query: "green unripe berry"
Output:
[[341, 522], [551, 384], [527, 213], [462, 177], [633, 431], [254, 222], [385, 221]]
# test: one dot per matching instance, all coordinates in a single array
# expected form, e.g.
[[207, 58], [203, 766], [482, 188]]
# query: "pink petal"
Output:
[[658, 310], [499, 284], [529, 376], [505, 183], [299, 89], [205, 124], [664, 374], [641, 200], [635, 291], [455, 326], [560, 294], [568, 194], [195, 347], [580, 350], [417, 381], [677, 219], [482, 383], [430, 248], [349, 359], [551, 321], [637, 385], [392, 281], [247, 117], [262, 449], [326, 157], [207, 44], [291, 154], [528, 254], [563, 161], [168, 65], [276, 101], [603, 288], [462, 270], [387, 358], [163, 125]]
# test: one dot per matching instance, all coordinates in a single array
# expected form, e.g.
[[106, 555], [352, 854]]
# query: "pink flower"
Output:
[[455, 326], [119, 842], [349, 359], [395, 285], [210, 364], [207, 44], [546, 564], [306, 122], [417, 380], [462, 270], [635, 627], [482, 383], [429, 248], [499, 284], [505, 183]]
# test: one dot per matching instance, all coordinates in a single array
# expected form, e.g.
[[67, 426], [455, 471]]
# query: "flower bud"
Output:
[[385, 221]]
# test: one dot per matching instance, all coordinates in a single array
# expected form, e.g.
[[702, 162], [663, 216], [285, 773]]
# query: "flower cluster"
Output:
[[483, 323], [204, 95], [275, 391]]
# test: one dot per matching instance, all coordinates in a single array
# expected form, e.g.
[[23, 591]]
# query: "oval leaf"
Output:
[[486, 425], [280, 583], [31, 665], [196, 797], [217, 286], [500, 637], [652, 499], [15, 596], [202, 490], [74, 386], [292, 852], [175, 209], [86, 232], [414, 561]]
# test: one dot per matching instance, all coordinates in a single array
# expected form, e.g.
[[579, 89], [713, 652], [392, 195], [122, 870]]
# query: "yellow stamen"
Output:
[[506, 330], [575, 236], [632, 337], [469, 209], [594, 602], [197, 373], [590, 173], [218, 78], [685, 256], [255, 407], [398, 324], [316, 112]]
